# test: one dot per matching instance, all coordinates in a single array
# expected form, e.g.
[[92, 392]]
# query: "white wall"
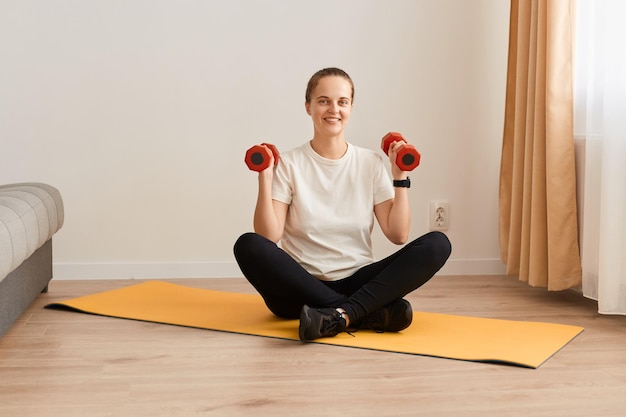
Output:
[[140, 112]]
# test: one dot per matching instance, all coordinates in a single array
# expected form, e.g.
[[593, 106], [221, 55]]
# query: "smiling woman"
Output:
[[330, 110], [320, 202]]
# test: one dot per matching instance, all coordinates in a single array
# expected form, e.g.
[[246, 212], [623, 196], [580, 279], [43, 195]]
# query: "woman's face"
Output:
[[330, 105]]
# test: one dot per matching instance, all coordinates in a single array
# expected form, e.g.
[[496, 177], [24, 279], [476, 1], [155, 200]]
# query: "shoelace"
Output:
[[331, 325]]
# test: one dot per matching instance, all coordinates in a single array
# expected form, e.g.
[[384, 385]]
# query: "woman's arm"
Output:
[[269, 215], [394, 215]]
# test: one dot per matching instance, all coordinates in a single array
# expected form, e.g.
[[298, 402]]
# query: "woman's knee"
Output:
[[441, 246], [243, 242], [249, 244], [436, 246]]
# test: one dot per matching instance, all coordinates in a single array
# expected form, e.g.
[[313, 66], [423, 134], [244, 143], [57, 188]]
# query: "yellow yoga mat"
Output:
[[520, 343]]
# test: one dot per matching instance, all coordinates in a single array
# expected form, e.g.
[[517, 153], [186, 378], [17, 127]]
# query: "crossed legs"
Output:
[[286, 286]]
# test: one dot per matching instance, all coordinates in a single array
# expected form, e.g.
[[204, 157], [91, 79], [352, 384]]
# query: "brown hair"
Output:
[[326, 72]]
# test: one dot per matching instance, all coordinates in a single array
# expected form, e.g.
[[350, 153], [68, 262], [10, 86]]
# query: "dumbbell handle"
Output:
[[258, 157], [407, 158]]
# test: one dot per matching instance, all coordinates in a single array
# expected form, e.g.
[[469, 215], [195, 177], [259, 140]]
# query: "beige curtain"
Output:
[[538, 215]]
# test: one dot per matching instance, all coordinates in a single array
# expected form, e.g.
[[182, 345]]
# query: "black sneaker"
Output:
[[320, 322], [393, 317]]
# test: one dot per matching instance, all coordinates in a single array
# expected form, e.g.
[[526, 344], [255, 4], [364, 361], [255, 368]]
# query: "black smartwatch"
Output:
[[402, 183]]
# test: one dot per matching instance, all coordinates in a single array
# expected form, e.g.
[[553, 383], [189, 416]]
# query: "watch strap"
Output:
[[402, 183]]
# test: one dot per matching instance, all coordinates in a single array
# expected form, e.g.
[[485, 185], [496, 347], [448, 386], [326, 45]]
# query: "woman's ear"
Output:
[[307, 106]]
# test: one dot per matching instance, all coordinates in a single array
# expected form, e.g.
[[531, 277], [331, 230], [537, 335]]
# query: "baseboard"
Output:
[[172, 270], [145, 270], [484, 266]]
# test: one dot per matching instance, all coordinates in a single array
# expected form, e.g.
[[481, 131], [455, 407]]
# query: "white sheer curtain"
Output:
[[600, 126]]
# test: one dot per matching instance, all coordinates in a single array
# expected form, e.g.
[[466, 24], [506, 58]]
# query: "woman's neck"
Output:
[[329, 147]]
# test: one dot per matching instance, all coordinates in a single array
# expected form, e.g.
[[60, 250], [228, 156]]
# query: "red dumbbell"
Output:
[[258, 157], [408, 158]]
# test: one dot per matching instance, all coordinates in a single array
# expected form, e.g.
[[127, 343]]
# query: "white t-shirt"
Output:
[[331, 214]]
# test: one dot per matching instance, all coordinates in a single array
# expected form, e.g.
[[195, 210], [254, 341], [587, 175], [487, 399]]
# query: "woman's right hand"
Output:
[[269, 215], [269, 171]]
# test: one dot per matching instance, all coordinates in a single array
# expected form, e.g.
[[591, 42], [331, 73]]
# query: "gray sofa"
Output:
[[30, 214]]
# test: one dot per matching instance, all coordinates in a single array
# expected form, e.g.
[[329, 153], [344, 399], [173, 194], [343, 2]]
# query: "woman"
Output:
[[320, 203]]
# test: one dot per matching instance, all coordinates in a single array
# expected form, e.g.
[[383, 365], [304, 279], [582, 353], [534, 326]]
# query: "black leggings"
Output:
[[286, 286]]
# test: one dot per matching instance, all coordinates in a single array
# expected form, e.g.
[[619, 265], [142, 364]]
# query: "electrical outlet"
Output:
[[439, 215]]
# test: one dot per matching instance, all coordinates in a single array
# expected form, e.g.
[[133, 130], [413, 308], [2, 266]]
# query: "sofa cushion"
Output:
[[30, 213]]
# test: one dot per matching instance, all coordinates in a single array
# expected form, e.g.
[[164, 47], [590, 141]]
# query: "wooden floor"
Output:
[[57, 363]]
